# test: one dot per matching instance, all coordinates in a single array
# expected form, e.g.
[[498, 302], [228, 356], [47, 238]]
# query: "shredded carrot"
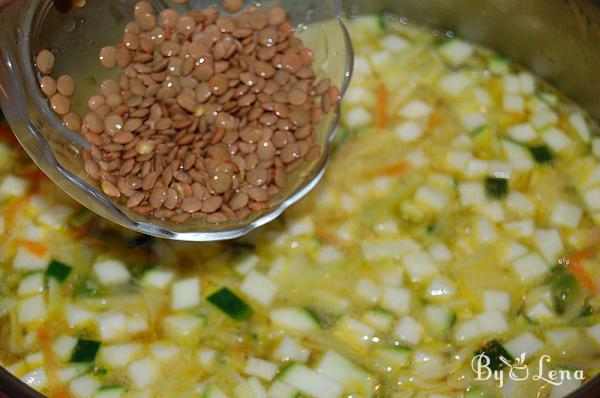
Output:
[[563, 123], [437, 116], [82, 232], [381, 113], [396, 169], [60, 392], [7, 135], [434, 121], [10, 213], [328, 237], [390, 170], [36, 248], [575, 263], [34, 175], [45, 338]]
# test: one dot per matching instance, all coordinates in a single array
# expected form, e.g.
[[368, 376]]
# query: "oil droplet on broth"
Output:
[[70, 26]]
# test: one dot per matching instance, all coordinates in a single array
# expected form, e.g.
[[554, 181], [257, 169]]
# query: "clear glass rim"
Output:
[[71, 183]]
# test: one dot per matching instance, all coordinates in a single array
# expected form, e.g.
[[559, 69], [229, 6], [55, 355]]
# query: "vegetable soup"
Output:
[[457, 225]]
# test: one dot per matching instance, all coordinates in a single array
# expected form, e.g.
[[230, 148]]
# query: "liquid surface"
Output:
[[458, 220]]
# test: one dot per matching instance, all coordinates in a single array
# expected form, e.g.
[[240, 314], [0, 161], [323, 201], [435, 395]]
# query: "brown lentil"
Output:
[[48, 86], [238, 201], [108, 57], [146, 21], [208, 113], [91, 168], [168, 18], [113, 124], [157, 197], [93, 123], [45, 62], [114, 100], [258, 194], [110, 189], [217, 218], [211, 204], [322, 87], [185, 25], [109, 87], [60, 104], [257, 177], [135, 199], [96, 102], [72, 121], [297, 97], [233, 6], [191, 205]]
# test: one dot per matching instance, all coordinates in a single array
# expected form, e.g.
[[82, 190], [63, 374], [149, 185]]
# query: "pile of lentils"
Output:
[[208, 116]]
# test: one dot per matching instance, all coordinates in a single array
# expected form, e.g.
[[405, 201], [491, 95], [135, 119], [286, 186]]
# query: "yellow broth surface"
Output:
[[457, 226]]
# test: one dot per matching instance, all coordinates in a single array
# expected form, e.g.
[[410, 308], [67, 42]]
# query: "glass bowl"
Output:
[[76, 36]]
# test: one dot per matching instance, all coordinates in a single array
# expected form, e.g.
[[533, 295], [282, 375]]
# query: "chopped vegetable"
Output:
[[260, 368], [185, 329], [564, 289], [32, 310], [81, 219], [142, 241], [230, 304], [547, 98], [291, 350], [496, 188], [259, 288], [213, 391], [299, 319], [143, 373], [85, 351], [525, 344], [110, 392], [499, 64], [575, 263], [439, 319], [281, 390], [394, 356], [311, 382], [239, 247], [518, 155], [339, 368], [31, 283], [157, 278], [185, 294], [585, 311], [87, 288], [455, 51], [541, 153], [381, 20], [58, 271], [111, 272], [495, 352]]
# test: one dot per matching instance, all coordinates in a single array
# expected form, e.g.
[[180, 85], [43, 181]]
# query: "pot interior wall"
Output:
[[559, 40]]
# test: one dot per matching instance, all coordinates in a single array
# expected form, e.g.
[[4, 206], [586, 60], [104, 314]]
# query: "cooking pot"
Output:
[[559, 40]]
